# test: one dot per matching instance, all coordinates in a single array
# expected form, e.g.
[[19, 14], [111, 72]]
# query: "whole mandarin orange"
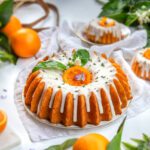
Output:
[[25, 42], [3, 120], [12, 26], [91, 142]]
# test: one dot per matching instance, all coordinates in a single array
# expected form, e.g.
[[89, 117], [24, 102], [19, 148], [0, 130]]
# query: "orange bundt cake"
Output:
[[104, 31], [77, 88], [141, 64]]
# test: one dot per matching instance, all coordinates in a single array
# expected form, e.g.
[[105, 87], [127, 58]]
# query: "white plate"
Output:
[[79, 28], [21, 80]]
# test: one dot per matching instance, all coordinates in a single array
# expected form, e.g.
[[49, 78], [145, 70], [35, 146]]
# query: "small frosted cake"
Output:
[[77, 88], [104, 31], [141, 64]]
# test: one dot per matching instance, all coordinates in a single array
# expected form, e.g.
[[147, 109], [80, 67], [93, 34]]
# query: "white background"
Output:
[[70, 10]]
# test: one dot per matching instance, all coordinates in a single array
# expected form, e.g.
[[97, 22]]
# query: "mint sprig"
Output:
[[83, 55], [51, 64]]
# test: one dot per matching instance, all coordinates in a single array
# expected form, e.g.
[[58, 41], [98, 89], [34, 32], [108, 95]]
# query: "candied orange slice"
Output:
[[77, 76], [3, 120], [104, 22], [147, 53]]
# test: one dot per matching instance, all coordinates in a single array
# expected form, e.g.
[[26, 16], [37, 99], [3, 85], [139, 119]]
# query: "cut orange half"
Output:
[[3, 120]]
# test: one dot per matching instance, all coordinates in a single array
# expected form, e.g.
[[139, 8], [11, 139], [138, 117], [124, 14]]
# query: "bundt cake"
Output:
[[77, 88], [141, 64], [104, 31]]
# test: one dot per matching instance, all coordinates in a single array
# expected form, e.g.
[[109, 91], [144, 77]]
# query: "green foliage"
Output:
[[6, 10], [5, 56], [63, 146], [4, 43], [141, 144]]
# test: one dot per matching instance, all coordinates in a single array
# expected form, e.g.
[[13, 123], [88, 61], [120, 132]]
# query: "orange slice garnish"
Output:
[[104, 22], [147, 53], [77, 76], [3, 120]]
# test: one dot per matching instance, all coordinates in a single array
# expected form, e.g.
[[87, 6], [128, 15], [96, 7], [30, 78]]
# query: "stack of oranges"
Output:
[[25, 42]]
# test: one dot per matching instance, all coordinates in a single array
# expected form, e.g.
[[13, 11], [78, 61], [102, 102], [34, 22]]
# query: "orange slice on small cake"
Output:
[[147, 53], [105, 22]]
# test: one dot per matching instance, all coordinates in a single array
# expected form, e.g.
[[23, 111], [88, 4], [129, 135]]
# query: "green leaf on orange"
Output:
[[67, 144], [115, 143]]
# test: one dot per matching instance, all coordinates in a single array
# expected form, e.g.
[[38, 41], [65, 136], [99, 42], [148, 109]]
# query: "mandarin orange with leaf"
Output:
[[12, 26], [25, 42], [91, 142]]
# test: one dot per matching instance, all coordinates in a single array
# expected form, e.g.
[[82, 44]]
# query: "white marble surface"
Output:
[[70, 10]]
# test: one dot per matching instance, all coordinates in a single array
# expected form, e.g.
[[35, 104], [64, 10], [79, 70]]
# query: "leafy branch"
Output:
[[6, 10], [141, 144], [5, 56]]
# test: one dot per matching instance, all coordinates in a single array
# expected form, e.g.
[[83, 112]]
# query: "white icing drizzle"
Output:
[[103, 75], [39, 105], [95, 29], [144, 63]]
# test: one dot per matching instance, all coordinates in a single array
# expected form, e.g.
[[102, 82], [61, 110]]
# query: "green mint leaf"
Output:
[[83, 55], [4, 56], [6, 10], [4, 43], [50, 65], [115, 143], [64, 146]]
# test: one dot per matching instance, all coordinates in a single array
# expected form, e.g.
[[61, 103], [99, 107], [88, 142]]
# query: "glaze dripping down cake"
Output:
[[77, 88], [141, 64], [104, 31]]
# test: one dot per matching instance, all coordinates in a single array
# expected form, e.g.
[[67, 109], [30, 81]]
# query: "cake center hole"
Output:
[[79, 77]]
